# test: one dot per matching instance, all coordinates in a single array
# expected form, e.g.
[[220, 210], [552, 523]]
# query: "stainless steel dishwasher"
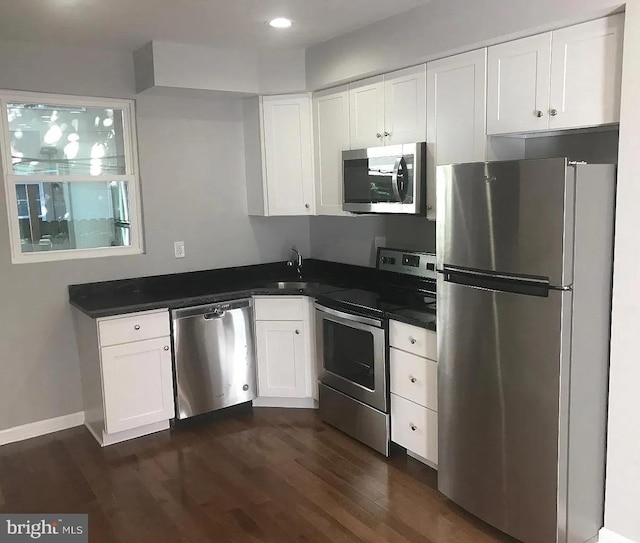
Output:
[[215, 364]]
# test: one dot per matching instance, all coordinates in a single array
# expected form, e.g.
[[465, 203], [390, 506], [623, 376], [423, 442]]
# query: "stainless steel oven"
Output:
[[387, 179], [353, 378]]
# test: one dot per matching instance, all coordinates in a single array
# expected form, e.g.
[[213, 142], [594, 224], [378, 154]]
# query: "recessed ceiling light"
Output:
[[280, 22]]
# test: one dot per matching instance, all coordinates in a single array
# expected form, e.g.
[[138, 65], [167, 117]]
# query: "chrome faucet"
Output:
[[296, 260]]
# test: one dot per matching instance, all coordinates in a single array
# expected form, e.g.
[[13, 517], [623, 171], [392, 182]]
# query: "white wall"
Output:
[[623, 451], [437, 29], [193, 189], [184, 67]]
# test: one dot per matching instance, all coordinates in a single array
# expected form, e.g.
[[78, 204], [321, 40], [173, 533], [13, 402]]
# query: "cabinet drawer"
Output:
[[415, 428], [279, 308], [135, 327], [414, 378], [413, 339]]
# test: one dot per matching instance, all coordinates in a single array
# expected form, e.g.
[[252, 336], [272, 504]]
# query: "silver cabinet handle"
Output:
[[429, 207], [413, 427], [136, 327], [412, 340], [166, 347], [298, 332], [412, 379], [553, 112], [387, 134], [538, 113], [307, 206], [378, 135]]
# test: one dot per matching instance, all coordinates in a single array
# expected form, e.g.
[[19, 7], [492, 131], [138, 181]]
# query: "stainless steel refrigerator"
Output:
[[524, 251]]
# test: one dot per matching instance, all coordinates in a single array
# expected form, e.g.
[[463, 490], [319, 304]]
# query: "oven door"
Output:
[[384, 179], [353, 354]]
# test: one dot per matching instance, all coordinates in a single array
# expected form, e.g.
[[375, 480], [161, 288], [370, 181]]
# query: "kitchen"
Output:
[[218, 123]]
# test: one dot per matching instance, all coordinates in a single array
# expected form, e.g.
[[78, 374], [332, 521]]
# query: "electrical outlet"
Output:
[[178, 248], [379, 241]]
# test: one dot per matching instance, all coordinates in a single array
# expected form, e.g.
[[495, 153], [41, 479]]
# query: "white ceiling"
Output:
[[128, 24]]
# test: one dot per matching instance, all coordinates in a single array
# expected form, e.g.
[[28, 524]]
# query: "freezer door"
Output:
[[513, 217], [501, 369]]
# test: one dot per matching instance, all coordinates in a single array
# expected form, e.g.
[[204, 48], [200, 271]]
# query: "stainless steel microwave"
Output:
[[389, 179]]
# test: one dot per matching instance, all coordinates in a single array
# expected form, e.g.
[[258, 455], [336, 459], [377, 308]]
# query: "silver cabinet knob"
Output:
[[412, 340], [136, 327], [307, 206], [553, 112], [413, 427], [387, 134], [413, 379], [429, 207], [378, 135], [298, 332], [166, 347], [538, 113]]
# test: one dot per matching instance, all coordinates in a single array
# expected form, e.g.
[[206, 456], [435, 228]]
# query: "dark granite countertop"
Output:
[[110, 298]]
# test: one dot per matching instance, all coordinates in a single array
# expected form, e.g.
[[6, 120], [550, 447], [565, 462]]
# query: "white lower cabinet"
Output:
[[414, 390], [414, 427], [282, 361], [287, 375], [127, 374], [138, 384]]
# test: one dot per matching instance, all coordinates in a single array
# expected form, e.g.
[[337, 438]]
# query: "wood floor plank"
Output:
[[261, 475]]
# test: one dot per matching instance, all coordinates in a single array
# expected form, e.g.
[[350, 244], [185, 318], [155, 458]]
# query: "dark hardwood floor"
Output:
[[268, 475]]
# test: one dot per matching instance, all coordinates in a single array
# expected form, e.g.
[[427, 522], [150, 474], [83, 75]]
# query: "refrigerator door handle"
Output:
[[530, 286]]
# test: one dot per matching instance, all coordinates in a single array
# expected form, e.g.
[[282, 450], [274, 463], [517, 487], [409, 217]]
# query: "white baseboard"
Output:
[[40, 428], [295, 403], [609, 536]]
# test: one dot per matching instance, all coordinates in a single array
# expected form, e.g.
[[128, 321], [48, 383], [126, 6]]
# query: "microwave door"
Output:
[[381, 180]]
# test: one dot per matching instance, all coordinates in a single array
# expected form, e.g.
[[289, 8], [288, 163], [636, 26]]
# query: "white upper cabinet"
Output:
[[279, 155], [586, 72], [389, 109], [456, 101], [331, 125], [518, 85], [366, 112], [569, 78], [405, 117]]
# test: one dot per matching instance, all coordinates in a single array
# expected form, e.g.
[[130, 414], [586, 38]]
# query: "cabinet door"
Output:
[[586, 72], [405, 102], [518, 85], [282, 360], [137, 381], [288, 150], [456, 105], [331, 125], [366, 112]]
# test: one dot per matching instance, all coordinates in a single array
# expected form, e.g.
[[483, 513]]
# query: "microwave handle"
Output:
[[395, 179]]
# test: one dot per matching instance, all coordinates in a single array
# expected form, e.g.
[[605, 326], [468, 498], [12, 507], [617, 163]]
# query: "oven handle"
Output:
[[349, 317]]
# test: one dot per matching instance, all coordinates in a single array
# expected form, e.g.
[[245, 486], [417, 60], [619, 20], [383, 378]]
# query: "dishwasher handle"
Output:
[[217, 314], [212, 311]]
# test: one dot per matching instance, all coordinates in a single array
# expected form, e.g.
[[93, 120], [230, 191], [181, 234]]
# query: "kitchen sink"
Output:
[[292, 285]]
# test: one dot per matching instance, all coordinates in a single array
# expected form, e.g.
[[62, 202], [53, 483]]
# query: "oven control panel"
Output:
[[408, 262]]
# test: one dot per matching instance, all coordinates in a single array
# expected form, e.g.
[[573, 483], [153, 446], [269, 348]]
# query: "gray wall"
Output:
[[193, 189], [437, 29], [352, 239], [596, 148]]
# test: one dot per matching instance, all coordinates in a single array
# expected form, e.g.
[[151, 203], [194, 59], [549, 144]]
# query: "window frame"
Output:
[[131, 176]]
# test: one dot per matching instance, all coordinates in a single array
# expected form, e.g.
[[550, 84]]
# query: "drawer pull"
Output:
[[136, 327], [412, 340], [413, 427], [166, 347], [412, 379]]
